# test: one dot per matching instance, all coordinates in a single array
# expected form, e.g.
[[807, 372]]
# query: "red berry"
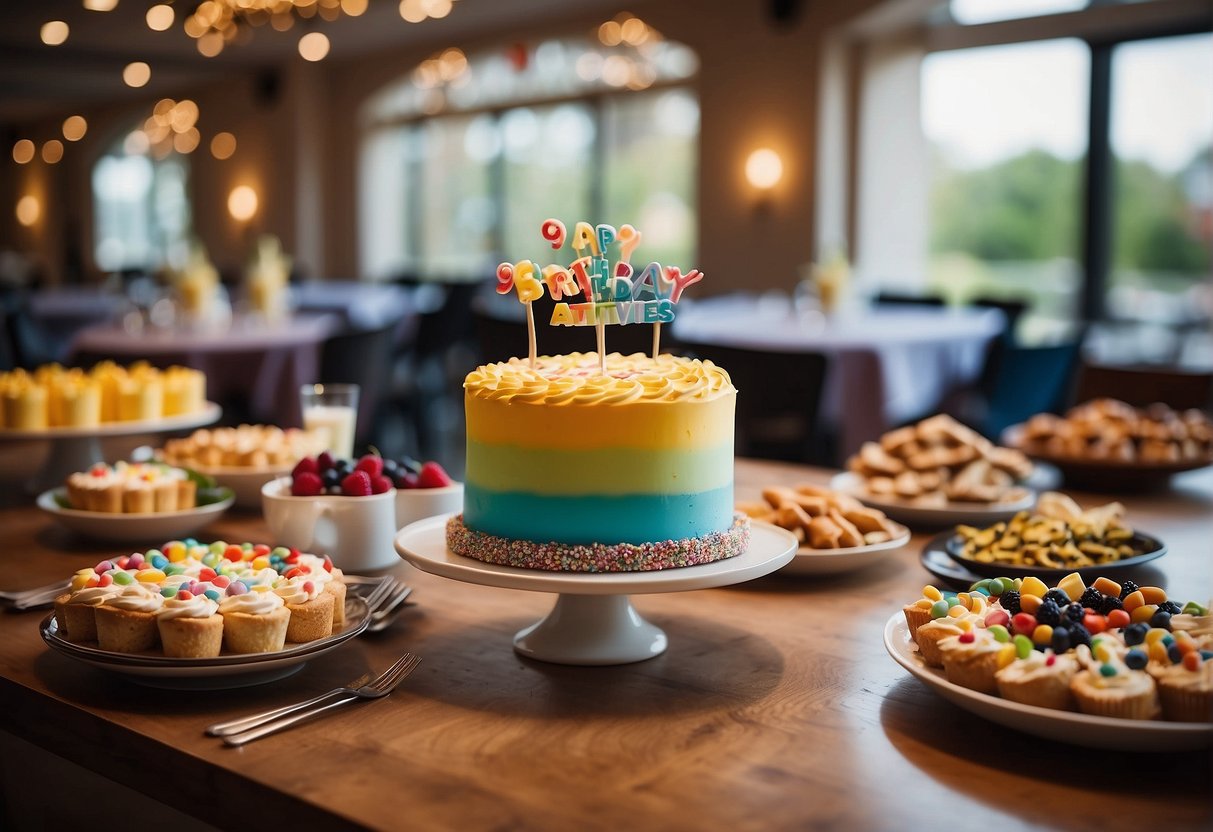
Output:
[[357, 484], [307, 485], [432, 476], [307, 465], [372, 464], [1024, 623], [380, 484], [1095, 623], [325, 461], [1118, 619]]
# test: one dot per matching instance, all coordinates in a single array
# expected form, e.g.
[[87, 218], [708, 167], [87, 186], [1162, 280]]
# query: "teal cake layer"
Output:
[[599, 518]]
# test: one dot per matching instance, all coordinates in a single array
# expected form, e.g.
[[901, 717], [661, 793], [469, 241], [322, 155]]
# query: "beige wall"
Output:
[[757, 87]]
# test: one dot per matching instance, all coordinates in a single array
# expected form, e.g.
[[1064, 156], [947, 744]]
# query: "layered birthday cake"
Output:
[[571, 470]]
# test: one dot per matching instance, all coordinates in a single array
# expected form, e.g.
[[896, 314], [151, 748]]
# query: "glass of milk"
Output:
[[333, 409]]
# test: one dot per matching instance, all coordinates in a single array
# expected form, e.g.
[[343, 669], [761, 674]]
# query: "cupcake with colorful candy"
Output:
[[254, 621], [310, 608], [971, 659], [950, 616], [189, 625], [126, 621], [76, 610], [1110, 686], [1037, 678]]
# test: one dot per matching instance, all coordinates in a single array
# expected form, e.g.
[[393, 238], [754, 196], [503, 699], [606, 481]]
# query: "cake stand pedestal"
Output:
[[75, 449], [593, 622]]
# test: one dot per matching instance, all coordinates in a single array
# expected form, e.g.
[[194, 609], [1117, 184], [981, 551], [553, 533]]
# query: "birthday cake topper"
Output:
[[607, 296]]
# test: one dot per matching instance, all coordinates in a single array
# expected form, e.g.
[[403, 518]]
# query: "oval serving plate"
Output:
[[951, 544], [808, 561], [224, 671], [973, 514], [133, 528], [1061, 726]]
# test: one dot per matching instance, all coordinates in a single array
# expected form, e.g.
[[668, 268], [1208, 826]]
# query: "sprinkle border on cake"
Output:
[[598, 557]]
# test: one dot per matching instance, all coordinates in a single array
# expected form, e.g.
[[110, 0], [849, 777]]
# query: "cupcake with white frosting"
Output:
[[190, 627], [311, 609], [126, 622], [254, 621]]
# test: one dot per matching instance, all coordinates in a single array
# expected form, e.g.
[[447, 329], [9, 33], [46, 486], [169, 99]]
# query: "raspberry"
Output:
[[307, 465], [1109, 603], [1075, 612], [357, 484], [306, 484], [380, 484], [432, 476], [372, 464], [1127, 588], [325, 461]]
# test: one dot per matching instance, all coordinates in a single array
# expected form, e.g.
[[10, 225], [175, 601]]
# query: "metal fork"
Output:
[[29, 598], [380, 687]]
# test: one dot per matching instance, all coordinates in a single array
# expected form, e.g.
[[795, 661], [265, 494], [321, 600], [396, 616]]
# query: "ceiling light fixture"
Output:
[[54, 32]]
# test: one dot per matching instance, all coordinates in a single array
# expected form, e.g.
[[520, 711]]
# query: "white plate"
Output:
[[155, 528], [423, 544], [810, 561], [245, 482], [226, 671], [209, 413], [1063, 726], [973, 514]]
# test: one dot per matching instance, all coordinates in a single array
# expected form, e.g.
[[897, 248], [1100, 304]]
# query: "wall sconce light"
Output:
[[29, 209], [242, 203], [764, 169]]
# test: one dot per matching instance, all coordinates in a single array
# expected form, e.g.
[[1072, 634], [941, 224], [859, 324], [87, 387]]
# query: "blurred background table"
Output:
[[887, 365]]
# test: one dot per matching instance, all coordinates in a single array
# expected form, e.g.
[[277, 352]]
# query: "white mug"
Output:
[[356, 532]]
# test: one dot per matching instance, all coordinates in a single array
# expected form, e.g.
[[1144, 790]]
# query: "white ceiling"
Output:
[[39, 81]]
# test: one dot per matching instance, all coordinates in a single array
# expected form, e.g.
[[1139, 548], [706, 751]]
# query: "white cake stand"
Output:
[[593, 622], [75, 449]]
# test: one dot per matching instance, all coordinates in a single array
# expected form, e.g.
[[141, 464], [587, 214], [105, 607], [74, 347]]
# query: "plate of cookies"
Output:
[[837, 533], [243, 458], [1108, 445], [939, 472], [135, 502], [1054, 539]]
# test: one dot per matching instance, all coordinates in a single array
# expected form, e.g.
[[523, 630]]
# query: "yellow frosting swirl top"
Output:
[[574, 379]]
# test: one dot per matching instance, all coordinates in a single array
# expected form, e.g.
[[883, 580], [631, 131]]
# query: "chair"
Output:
[[1141, 386], [778, 399], [362, 357], [1022, 381], [898, 299], [1012, 311]]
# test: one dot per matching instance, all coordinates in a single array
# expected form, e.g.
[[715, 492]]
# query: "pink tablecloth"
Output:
[[888, 365], [262, 364]]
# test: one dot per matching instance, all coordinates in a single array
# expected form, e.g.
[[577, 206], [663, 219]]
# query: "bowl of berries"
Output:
[[423, 489], [345, 509]]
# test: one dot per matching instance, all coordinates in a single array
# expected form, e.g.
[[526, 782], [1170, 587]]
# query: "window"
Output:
[[972, 12], [1162, 144], [464, 159], [140, 207], [1007, 128]]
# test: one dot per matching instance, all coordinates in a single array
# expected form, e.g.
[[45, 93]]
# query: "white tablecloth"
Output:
[[888, 364]]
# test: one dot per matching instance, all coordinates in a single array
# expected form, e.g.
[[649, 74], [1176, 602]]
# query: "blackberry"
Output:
[[1091, 597], [1128, 588], [1009, 601], [1135, 633], [1048, 613], [1161, 619], [1075, 612], [1109, 603], [1170, 607], [1079, 635], [1058, 597]]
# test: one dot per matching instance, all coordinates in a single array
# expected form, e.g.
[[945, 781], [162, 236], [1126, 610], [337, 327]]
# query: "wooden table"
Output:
[[775, 707]]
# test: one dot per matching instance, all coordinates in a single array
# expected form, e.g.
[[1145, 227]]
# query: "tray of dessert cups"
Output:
[[209, 413], [1051, 724], [227, 670], [133, 528]]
